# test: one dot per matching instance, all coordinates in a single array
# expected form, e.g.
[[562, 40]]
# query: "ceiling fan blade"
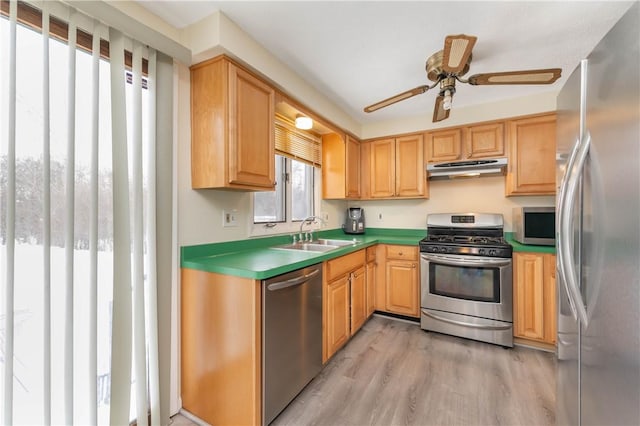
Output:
[[457, 49], [544, 76], [397, 98], [439, 113]]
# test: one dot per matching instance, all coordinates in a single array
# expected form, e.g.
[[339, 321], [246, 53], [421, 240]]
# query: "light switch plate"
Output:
[[229, 218]]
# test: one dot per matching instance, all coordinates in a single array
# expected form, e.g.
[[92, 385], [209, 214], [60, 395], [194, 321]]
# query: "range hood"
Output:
[[467, 168]]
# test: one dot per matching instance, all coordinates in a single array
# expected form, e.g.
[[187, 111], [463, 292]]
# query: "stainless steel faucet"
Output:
[[309, 219]]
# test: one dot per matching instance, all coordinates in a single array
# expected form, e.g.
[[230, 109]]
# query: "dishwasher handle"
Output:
[[293, 281]]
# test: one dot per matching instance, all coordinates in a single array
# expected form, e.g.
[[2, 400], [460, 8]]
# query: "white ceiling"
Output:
[[358, 52]]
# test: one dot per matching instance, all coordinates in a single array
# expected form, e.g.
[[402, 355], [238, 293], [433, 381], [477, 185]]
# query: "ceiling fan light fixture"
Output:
[[448, 99], [303, 122]]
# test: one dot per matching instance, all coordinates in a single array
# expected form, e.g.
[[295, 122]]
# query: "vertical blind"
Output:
[[79, 144]]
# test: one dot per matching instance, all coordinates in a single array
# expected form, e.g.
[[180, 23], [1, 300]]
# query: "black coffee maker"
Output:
[[355, 221]]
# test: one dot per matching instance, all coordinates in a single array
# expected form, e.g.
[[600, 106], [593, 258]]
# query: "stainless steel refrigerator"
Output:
[[598, 240]]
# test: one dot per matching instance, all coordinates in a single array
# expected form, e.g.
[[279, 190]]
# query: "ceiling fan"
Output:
[[447, 66]]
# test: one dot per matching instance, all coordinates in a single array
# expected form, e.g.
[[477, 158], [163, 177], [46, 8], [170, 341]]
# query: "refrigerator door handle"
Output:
[[562, 202], [569, 191]]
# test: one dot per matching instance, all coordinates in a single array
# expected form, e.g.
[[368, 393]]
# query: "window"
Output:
[[29, 310], [296, 195], [293, 200]]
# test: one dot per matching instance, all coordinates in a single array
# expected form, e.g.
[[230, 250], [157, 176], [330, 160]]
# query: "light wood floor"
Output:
[[394, 373]]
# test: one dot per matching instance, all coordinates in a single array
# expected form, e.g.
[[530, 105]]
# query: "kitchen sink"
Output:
[[319, 245], [308, 247], [340, 243]]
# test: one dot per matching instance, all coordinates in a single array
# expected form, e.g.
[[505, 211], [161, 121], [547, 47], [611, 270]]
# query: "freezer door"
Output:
[[610, 273], [567, 378]]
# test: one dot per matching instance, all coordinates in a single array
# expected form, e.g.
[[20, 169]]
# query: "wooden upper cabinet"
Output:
[[340, 166], [232, 128], [471, 142], [353, 168], [445, 145], [382, 169], [484, 141], [410, 168], [531, 168], [395, 168]]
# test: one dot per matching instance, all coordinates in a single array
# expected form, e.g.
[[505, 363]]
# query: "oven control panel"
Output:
[[473, 251]]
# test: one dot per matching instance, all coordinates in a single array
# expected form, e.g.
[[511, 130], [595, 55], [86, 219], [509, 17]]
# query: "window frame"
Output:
[[289, 225]]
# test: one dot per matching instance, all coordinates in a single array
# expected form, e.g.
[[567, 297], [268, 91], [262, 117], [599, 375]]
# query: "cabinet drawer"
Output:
[[402, 252], [337, 267], [371, 254]]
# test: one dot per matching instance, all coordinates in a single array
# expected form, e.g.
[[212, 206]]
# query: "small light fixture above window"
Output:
[[303, 122]]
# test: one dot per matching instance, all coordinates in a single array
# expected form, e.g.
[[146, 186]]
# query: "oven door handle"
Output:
[[466, 324], [457, 261]]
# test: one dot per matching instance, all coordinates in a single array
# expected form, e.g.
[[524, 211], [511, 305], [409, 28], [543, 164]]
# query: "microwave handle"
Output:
[[567, 270]]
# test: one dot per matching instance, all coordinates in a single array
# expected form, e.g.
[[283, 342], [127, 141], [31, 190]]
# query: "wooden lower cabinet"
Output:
[[371, 267], [534, 297], [336, 326], [344, 300], [359, 315], [220, 348], [402, 287], [398, 280]]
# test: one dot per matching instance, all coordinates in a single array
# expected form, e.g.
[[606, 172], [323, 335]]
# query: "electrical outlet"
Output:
[[380, 217], [229, 218], [324, 216]]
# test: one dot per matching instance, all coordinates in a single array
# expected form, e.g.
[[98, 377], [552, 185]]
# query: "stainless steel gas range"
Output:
[[466, 277]]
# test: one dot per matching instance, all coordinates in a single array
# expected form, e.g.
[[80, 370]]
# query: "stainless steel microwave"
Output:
[[535, 225]]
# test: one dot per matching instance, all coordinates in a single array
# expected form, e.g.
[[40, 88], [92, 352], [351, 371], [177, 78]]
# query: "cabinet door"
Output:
[[550, 299], [337, 315], [445, 145], [402, 288], [486, 141], [365, 170], [531, 169], [371, 288], [358, 299], [382, 170], [353, 168], [410, 167], [334, 155], [528, 319], [251, 130]]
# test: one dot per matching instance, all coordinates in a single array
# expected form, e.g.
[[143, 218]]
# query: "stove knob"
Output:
[[481, 251], [443, 249], [492, 252]]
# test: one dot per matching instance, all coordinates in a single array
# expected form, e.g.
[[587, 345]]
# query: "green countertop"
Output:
[[257, 258], [530, 248]]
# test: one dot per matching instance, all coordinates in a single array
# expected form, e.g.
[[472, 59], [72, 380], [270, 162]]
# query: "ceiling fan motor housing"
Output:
[[434, 67]]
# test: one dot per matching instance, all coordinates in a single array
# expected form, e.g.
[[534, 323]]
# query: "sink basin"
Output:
[[339, 243], [318, 247]]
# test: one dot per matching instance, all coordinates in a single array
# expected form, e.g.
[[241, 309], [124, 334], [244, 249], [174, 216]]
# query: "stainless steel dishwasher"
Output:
[[292, 336]]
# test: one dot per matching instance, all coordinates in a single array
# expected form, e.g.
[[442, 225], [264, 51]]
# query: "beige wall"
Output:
[[481, 195]]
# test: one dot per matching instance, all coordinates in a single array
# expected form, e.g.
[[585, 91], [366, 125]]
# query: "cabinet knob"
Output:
[[399, 253], [413, 266]]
